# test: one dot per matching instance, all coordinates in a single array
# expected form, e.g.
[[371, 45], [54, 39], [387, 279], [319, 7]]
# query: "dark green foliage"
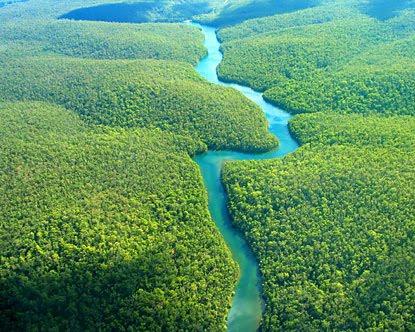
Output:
[[108, 40], [104, 229], [142, 11], [385, 9], [108, 228], [31, 9], [110, 10], [213, 12], [333, 225], [328, 58], [237, 11], [9, 2], [104, 220], [137, 12], [142, 93]]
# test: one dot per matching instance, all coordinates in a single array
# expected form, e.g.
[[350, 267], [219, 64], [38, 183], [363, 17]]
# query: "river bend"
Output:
[[247, 305]]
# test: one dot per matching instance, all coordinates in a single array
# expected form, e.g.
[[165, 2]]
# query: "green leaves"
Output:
[[105, 228], [332, 224], [101, 40], [327, 58], [141, 93]]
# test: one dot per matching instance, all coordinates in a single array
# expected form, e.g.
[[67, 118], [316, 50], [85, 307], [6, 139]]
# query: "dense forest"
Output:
[[217, 13], [105, 229], [104, 220], [41, 61], [140, 93], [326, 58], [104, 217], [142, 11], [232, 12], [354, 129], [109, 10], [333, 224], [108, 40]]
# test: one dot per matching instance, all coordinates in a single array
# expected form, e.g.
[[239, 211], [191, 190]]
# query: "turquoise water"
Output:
[[247, 304]]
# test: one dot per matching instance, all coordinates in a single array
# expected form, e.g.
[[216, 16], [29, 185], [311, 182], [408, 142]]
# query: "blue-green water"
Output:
[[247, 304]]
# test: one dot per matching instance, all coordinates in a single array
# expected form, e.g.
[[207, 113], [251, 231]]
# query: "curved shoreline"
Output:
[[247, 305]]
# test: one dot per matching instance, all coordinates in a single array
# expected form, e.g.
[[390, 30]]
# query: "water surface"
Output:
[[247, 305]]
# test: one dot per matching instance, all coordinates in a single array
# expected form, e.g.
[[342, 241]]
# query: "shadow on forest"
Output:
[[90, 291], [232, 14], [386, 9], [287, 6], [139, 12], [117, 12], [9, 2]]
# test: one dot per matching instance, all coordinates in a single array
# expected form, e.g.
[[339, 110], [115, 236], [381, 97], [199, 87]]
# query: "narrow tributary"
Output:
[[247, 305]]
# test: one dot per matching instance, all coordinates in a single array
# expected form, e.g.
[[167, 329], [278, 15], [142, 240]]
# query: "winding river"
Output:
[[247, 304]]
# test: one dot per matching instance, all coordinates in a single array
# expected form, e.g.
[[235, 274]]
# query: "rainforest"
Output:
[[207, 165]]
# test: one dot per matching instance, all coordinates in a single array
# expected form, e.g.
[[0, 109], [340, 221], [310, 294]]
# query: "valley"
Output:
[[206, 165]]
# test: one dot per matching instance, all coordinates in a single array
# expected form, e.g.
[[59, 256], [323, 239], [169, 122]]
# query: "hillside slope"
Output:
[[332, 225], [328, 58], [102, 226]]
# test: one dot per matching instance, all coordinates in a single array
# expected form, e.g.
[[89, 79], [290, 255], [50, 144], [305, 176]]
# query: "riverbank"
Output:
[[247, 306]]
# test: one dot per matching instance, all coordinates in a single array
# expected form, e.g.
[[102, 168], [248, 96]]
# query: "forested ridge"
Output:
[[276, 23], [354, 129], [332, 224], [104, 222], [112, 10], [101, 40], [140, 93], [105, 229], [51, 60], [232, 12], [330, 57]]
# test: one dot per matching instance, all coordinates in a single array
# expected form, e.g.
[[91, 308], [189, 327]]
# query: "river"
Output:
[[247, 305]]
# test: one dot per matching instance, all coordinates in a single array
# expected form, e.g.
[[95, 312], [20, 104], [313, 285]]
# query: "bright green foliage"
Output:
[[109, 40], [167, 95], [277, 23], [11, 49], [386, 88], [140, 93], [333, 224], [300, 53], [328, 58], [105, 229], [378, 131]]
